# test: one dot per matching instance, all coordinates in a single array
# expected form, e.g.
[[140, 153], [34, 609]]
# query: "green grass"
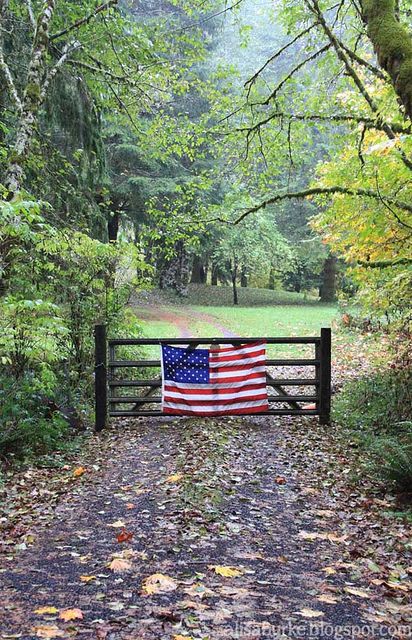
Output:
[[267, 313]]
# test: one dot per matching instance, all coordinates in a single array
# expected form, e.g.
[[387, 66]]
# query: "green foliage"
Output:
[[394, 460], [378, 412], [28, 426]]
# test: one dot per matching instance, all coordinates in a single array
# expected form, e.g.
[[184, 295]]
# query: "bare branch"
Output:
[[292, 73], [361, 61], [79, 23], [30, 11], [253, 78], [11, 87], [305, 193], [68, 49], [384, 264]]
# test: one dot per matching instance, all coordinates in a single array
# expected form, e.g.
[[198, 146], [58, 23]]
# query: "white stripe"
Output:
[[217, 407], [214, 377], [239, 351], [216, 385], [215, 396]]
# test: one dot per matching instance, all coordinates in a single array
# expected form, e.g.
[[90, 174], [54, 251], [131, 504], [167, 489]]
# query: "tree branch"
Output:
[[7, 75], [314, 191], [30, 11], [371, 123], [361, 61], [292, 73], [383, 264], [79, 23], [68, 49], [313, 5], [253, 78]]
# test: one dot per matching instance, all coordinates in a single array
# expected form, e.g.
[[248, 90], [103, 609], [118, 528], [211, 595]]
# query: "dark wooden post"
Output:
[[325, 375], [100, 376]]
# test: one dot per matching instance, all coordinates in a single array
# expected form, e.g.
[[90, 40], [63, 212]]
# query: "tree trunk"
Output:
[[271, 283], [197, 276], [393, 46], [234, 283], [113, 224], [327, 289], [213, 280], [243, 277], [31, 103]]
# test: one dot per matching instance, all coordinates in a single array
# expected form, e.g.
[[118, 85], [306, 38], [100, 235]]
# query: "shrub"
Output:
[[378, 411], [29, 422]]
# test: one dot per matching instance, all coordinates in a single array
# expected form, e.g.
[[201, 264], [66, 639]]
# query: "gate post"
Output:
[[325, 375], [100, 376]]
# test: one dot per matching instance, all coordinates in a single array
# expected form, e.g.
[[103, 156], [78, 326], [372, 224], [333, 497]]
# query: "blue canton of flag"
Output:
[[186, 365]]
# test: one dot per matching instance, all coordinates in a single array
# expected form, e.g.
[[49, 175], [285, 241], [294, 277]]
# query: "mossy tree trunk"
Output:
[[31, 101], [393, 46], [327, 289]]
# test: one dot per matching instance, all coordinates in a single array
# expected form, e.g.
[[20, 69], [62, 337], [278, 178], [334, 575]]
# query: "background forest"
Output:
[[161, 144]]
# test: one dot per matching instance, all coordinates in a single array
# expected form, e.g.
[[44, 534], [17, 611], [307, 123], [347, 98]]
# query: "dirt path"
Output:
[[182, 319], [208, 529]]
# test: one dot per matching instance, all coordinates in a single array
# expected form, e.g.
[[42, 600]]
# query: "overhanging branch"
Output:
[[316, 191], [79, 23]]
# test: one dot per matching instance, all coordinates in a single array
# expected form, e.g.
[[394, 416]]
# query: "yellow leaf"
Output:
[[71, 614], [42, 610], [329, 571], [327, 599], [158, 583], [48, 631], [357, 592], [175, 477], [227, 572], [179, 637], [79, 472], [87, 578], [118, 565], [310, 613]]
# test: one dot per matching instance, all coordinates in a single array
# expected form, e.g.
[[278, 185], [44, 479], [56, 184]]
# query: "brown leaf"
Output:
[[48, 631], [119, 565], [71, 614], [158, 583], [124, 536]]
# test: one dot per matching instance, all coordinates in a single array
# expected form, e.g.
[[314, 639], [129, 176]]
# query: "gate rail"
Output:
[[107, 398]]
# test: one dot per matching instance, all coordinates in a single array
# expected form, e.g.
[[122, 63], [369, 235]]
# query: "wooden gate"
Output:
[[110, 386]]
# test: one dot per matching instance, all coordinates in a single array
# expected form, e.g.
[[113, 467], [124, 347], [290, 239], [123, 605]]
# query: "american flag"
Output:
[[214, 382]]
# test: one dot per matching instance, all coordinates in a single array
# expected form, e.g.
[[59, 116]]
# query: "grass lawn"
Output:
[[264, 313]]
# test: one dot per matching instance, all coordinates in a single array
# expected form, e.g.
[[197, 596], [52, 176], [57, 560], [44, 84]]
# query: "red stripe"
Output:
[[239, 367], [229, 412], [245, 356], [210, 403], [213, 389]]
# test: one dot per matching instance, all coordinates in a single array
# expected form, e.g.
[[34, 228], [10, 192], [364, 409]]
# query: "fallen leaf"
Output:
[[42, 610], [199, 590], [158, 583], [47, 631], [118, 565], [175, 477], [180, 637], [357, 592], [124, 536], [79, 472], [327, 599], [87, 578], [191, 604], [119, 524], [330, 571], [227, 572], [310, 613], [280, 480], [71, 614], [130, 505]]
